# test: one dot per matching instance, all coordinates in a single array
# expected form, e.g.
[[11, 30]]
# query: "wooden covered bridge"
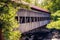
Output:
[[32, 19]]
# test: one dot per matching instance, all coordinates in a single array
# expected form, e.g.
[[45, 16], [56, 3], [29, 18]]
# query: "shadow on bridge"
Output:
[[43, 34]]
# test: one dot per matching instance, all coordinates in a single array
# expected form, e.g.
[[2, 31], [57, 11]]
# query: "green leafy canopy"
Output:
[[7, 20]]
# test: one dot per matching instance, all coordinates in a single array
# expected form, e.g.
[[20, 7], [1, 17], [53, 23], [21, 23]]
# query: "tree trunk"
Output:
[[1, 36]]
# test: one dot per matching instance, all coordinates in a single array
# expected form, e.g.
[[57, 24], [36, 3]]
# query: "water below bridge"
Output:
[[42, 34]]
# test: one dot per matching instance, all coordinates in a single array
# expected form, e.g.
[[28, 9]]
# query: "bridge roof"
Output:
[[38, 8]]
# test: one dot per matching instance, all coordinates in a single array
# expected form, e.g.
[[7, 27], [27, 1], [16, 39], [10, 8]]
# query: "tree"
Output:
[[7, 20], [56, 21], [8, 24], [54, 7], [32, 2]]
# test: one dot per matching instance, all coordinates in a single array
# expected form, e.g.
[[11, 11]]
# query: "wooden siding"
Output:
[[42, 18]]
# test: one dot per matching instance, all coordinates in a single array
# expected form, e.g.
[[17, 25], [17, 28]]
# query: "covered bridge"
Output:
[[32, 19]]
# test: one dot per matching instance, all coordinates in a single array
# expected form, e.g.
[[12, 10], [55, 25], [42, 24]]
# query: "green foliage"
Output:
[[7, 20], [54, 7], [29, 1], [11, 35], [55, 24], [56, 16], [46, 4], [24, 6], [56, 20], [8, 24]]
